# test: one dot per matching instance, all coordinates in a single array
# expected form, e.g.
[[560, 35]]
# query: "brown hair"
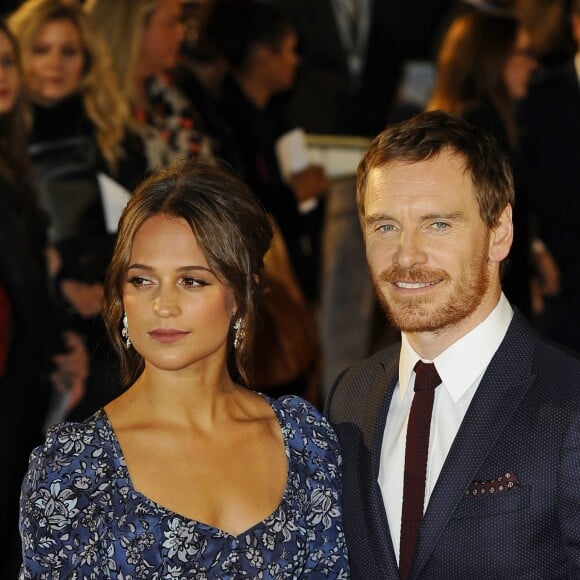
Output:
[[232, 230], [423, 137], [470, 65]]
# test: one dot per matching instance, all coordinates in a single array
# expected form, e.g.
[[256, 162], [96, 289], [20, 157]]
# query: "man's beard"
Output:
[[436, 311]]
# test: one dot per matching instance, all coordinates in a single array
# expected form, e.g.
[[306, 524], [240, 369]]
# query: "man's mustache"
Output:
[[411, 275]]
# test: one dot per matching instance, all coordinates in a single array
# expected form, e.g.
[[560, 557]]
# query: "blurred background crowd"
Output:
[[96, 94]]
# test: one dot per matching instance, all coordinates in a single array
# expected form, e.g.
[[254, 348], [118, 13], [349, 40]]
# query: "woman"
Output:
[[69, 76], [33, 345], [80, 132], [483, 68], [145, 37], [259, 44], [189, 472]]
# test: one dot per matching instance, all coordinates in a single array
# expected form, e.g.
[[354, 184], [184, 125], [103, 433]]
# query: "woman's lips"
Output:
[[167, 335]]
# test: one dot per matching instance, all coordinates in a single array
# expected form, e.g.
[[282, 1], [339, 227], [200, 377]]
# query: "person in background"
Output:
[[69, 75], [145, 36], [199, 73], [461, 443], [189, 472], [484, 65], [259, 45], [80, 128], [354, 54], [549, 121], [37, 355]]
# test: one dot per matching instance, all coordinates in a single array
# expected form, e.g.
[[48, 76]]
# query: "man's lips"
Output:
[[167, 335]]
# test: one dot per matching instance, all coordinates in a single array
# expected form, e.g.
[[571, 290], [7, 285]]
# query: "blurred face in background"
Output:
[[57, 61], [162, 37], [519, 66], [9, 78], [287, 61], [278, 65]]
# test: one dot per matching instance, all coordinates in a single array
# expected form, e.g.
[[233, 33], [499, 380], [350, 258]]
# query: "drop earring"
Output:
[[125, 332], [240, 332]]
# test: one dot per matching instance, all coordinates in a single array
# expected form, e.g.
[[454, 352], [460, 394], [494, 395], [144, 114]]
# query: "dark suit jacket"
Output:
[[525, 419], [324, 99], [550, 143]]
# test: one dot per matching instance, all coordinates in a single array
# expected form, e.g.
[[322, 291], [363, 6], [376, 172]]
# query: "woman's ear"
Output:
[[501, 236]]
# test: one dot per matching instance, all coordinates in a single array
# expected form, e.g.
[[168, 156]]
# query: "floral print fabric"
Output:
[[81, 517]]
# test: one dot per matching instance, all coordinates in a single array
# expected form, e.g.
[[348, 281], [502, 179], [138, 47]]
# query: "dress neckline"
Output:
[[278, 412]]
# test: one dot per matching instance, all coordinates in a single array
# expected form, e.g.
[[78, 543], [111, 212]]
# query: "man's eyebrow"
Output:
[[454, 215], [380, 217]]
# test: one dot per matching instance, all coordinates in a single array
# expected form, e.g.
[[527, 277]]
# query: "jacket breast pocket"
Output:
[[483, 506]]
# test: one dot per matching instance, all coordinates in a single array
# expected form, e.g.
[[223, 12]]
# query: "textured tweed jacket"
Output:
[[523, 425]]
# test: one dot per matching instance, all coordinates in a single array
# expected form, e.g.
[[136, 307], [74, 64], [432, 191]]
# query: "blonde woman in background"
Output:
[[49, 30], [145, 36], [80, 130]]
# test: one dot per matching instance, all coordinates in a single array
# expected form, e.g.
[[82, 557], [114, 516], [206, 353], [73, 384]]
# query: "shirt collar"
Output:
[[464, 361]]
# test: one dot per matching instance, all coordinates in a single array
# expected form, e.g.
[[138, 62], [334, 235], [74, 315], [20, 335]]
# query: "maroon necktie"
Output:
[[426, 380]]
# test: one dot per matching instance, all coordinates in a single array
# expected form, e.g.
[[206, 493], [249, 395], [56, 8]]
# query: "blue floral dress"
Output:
[[81, 517]]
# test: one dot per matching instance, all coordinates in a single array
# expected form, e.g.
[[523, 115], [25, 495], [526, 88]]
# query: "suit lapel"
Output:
[[502, 388], [376, 409]]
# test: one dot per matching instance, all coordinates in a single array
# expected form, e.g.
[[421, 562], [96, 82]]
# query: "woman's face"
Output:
[[9, 78], [519, 66], [178, 312], [56, 62], [162, 37]]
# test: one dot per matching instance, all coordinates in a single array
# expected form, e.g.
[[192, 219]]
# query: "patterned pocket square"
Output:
[[506, 482]]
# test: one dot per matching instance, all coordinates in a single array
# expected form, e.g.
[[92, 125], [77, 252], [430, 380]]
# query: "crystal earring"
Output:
[[240, 332], [125, 332]]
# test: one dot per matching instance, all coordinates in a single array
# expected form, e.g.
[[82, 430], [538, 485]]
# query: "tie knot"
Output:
[[427, 377]]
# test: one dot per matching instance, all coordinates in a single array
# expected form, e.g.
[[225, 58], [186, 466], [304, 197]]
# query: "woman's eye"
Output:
[[7, 62], [70, 52], [192, 283], [139, 282]]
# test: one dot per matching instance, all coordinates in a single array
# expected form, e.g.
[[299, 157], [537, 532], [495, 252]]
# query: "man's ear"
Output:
[[501, 236]]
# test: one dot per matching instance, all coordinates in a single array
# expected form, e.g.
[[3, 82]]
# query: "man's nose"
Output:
[[410, 251]]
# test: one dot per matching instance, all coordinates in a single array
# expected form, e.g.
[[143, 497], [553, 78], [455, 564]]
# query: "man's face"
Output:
[[162, 37], [434, 262]]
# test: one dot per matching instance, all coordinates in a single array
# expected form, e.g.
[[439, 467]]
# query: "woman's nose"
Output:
[[166, 304]]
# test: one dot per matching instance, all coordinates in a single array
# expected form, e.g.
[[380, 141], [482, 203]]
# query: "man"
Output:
[[550, 130], [500, 497]]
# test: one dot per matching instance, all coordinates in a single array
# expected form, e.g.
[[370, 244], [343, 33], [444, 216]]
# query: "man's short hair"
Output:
[[423, 137]]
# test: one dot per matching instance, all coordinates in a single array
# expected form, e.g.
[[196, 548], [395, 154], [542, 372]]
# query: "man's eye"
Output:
[[386, 228], [440, 225]]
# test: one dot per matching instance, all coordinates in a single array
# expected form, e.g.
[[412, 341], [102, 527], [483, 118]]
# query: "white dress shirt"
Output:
[[461, 367]]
